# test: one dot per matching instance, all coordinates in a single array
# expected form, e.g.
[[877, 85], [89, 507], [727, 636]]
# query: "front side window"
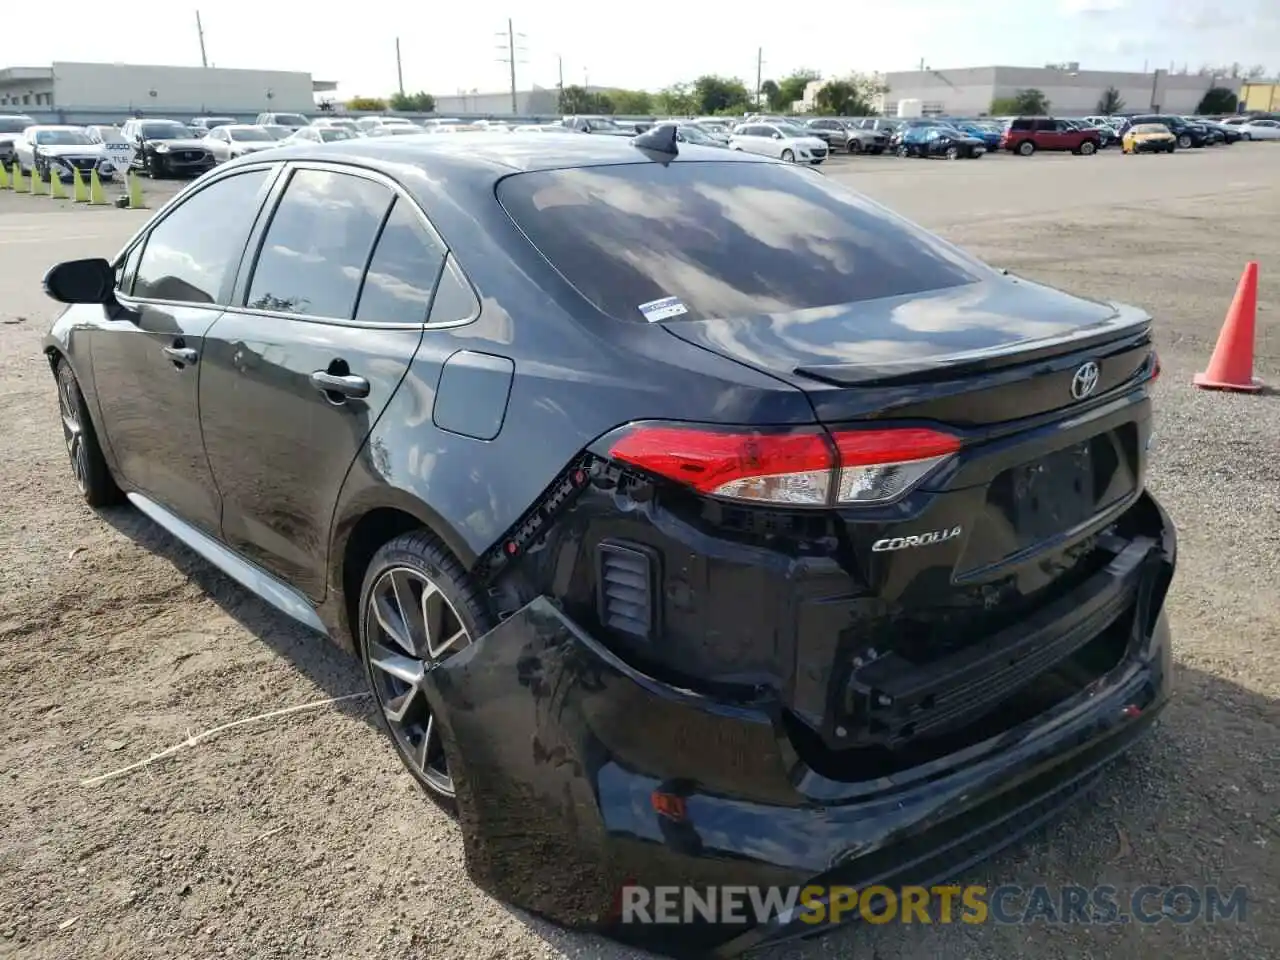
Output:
[[725, 239], [403, 271], [195, 249], [315, 250]]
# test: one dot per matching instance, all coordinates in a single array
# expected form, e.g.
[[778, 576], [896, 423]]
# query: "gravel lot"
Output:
[[301, 836]]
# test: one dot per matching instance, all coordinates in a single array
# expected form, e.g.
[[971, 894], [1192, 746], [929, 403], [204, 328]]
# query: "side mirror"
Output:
[[777, 136], [81, 281]]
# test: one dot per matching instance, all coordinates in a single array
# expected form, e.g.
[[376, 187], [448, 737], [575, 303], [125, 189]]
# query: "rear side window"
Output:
[[722, 238], [318, 244], [1020, 125], [397, 287]]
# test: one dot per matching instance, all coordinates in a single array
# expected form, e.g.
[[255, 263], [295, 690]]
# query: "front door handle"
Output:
[[347, 385], [181, 355]]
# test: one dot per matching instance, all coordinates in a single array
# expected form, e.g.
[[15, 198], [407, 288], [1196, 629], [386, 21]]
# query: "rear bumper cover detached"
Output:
[[561, 747]]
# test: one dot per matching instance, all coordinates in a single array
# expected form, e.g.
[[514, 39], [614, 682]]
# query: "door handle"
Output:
[[181, 355], [347, 385]]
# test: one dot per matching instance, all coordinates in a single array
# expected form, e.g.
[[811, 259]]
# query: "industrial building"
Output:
[[86, 88], [538, 102], [1261, 96], [1069, 90]]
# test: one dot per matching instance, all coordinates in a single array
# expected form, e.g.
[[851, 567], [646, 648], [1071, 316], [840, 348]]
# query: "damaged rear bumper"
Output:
[[578, 776]]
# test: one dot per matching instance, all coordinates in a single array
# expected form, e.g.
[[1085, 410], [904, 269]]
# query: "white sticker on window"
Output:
[[663, 309]]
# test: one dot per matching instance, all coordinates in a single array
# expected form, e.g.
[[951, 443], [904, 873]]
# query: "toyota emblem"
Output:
[[1085, 380]]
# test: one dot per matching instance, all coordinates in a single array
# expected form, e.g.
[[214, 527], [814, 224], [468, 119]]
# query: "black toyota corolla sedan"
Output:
[[695, 520]]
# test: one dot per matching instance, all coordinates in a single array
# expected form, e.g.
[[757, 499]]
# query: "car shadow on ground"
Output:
[[328, 666]]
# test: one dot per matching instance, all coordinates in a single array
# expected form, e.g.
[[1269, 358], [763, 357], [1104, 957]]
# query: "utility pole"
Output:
[[560, 64], [204, 60], [759, 73], [512, 51], [399, 69]]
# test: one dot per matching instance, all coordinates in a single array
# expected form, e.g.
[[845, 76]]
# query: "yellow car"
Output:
[[1148, 138]]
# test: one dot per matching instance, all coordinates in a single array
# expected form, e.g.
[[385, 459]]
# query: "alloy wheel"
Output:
[[73, 433], [409, 628]]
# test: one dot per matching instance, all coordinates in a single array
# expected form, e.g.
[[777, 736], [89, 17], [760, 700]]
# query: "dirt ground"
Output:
[[301, 837]]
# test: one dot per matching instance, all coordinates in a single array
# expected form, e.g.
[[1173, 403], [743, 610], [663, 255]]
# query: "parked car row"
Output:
[[162, 147]]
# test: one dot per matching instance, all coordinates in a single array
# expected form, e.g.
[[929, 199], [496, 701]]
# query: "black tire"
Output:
[[1246, 136], [788, 156], [876, 151], [153, 166], [1184, 141], [953, 153], [855, 145], [1170, 149], [88, 465], [419, 555], [903, 152], [1088, 148], [1026, 148]]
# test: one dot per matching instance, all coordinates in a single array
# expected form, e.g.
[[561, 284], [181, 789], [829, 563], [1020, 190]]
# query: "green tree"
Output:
[[1031, 102], [714, 94], [602, 102], [676, 100], [420, 102], [792, 87], [632, 102], [1110, 102], [575, 99], [370, 104], [1218, 100], [840, 98], [769, 90], [852, 96]]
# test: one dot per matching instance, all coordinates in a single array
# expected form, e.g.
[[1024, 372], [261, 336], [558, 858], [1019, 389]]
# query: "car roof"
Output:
[[39, 127], [492, 156]]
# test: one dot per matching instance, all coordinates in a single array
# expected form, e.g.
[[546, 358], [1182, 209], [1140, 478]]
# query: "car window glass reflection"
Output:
[[193, 250], [317, 245], [397, 288], [727, 240]]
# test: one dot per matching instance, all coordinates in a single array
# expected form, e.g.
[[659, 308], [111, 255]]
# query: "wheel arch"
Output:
[[361, 530]]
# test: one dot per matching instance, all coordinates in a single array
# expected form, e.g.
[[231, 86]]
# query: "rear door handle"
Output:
[[181, 355], [347, 386]]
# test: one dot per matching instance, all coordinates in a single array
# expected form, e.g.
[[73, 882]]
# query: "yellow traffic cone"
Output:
[[96, 196], [17, 177], [56, 190], [35, 181], [135, 193], [5, 182], [80, 192]]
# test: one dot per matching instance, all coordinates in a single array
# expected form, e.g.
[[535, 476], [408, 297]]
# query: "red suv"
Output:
[[1026, 135]]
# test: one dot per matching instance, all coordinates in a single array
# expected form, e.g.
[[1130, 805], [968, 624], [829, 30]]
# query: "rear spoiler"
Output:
[[1127, 328]]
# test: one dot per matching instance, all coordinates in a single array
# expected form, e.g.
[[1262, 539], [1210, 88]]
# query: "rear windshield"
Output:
[[722, 238]]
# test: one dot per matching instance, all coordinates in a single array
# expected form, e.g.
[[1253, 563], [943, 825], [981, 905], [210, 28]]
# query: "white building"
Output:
[[1069, 90], [136, 87]]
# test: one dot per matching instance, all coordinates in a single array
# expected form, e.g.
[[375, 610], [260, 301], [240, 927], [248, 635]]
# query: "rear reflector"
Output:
[[880, 465], [806, 467]]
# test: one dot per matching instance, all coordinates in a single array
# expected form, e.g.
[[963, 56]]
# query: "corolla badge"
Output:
[[918, 540], [1085, 380]]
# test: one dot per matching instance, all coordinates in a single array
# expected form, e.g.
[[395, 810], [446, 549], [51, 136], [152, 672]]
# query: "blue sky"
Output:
[[652, 43]]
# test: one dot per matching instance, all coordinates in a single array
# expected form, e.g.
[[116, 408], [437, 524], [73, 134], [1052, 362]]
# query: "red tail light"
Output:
[[806, 467], [1155, 365]]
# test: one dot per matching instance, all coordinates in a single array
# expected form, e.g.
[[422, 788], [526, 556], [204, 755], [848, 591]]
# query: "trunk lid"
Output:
[[1020, 523], [982, 352]]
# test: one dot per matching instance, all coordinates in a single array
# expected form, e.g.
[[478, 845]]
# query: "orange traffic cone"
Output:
[[1231, 366]]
